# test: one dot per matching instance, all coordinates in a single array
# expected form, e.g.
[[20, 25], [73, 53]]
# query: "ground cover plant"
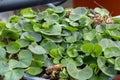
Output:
[[60, 44]]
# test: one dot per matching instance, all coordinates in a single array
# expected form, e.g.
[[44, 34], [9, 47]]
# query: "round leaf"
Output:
[[112, 52], [82, 74], [80, 11], [10, 34], [25, 59], [87, 48], [28, 13], [58, 9], [23, 42], [117, 63], [13, 47], [16, 74], [34, 70], [2, 53], [31, 36], [4, 67], [36, 49], [108, 70]]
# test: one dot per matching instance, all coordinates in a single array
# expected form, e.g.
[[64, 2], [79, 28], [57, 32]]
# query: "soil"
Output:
[[1, 78], [52, 72], [98, 19]]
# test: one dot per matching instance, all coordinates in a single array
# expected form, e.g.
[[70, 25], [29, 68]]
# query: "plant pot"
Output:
[[28, 77], [111, 5], [116, 78]]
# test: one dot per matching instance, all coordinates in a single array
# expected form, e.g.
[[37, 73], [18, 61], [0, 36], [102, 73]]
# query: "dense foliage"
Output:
[[31, 41]]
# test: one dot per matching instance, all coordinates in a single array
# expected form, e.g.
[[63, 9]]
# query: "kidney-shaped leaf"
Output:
[[108, 70], [114, 34], [25, 59], [23, 42], [82, 74], [36, 49], [31, 36], [80, 11], [105, 43], [87, 48], [90, 35], [117, 63], [48, 45], [10, 34], [4, 67], [28, 13], [16, 74], [112, 52], [2, 53], [54, 30], [58, 9], [13, 47], [34, 70]]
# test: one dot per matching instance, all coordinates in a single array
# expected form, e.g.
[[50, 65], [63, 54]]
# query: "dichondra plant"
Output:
[[74, 44]]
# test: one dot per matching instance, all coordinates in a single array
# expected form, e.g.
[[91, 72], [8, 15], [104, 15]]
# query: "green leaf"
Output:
[[87, 48], [2, 44], [34, 70], [14, 19], [48, 45], [116, 20], [39, 16], [25, 59], [74, 17], [36, 27], [38, 57], [28, 27], [103, 12], [115, 34], [56, 60], [80, 11], [37, 63], [53, 30], [10, 34], [2, 25], [108, 70], [23, 55], [90, 35], [82, 74], [64, 74], [54, 53], [36, 49], [72, 29], [105, 43], [70, 39], [2, 54], [103, 77], [58, 9], [112, 26], [117, 63], [31, 36], [28, 13], [16, 74], [97, 50], [112, 52], [13, 47], [100, 28], [74, 24], [78, 61], [51, 19], [72, 51], [23, 42], [4, 67], [85, 21]]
